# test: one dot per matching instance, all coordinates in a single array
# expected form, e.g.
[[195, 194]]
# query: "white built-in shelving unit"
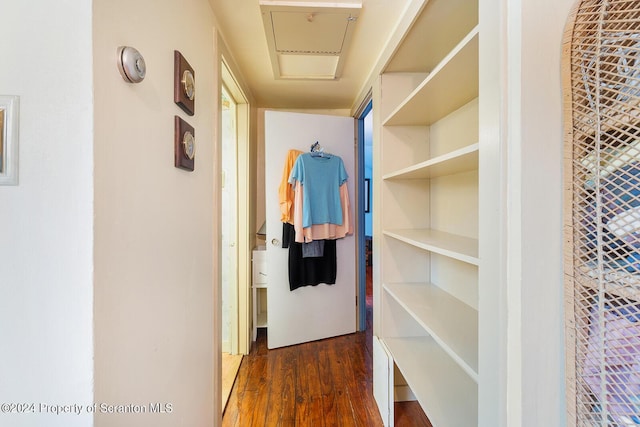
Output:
[[259, 289], [427, 224]]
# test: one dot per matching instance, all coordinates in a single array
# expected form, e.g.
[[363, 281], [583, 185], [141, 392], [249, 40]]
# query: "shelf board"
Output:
[[452, 83], [462, 160], [462, 248], [447, 394], [260, 285], [451, 323], [432, 34]]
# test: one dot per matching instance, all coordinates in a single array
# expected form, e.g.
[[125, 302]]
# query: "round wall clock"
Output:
[[189, 145], [189, 84]]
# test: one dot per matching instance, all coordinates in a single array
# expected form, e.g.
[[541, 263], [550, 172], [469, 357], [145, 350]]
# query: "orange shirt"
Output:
[[286, 193]]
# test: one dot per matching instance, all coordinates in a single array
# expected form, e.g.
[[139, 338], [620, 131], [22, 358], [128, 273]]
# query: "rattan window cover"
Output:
[[601, 81]]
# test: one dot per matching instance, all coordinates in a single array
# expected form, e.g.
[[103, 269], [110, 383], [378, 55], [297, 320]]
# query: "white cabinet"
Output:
[[427, 227], [259, 289]]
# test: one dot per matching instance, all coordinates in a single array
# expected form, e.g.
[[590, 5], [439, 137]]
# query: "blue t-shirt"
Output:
[[321, 177]]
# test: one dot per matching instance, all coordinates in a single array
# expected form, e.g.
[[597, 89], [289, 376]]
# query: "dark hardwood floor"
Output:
[[322, 383]]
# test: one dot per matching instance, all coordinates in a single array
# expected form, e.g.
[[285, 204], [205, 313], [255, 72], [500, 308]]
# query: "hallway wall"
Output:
[[155, 340], [46, 266]]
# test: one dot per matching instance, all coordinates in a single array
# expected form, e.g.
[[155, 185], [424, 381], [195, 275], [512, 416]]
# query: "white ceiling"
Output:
[[242, 30]]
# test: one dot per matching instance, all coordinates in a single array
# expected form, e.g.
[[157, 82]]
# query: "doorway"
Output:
[[365, 231], [234, 214], [325, 308]]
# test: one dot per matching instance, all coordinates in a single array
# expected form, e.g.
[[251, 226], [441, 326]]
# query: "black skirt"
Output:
[[309, 271]]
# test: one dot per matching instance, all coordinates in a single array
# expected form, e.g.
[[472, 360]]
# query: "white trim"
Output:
[[243, 318], [407, 18], [354, 4], [243, 116], [512, 37]]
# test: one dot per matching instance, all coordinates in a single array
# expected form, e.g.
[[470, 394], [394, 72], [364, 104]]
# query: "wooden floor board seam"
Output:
[[325, 383]]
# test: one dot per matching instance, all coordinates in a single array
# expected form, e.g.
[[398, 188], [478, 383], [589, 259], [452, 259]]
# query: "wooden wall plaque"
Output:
[[184, 86], [184, 145]]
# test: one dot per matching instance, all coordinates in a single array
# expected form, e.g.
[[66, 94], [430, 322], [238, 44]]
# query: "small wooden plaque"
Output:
[[182, 160], [183, 84]]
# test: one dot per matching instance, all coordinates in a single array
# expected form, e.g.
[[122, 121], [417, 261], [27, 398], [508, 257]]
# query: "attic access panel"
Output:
[[308, 40]]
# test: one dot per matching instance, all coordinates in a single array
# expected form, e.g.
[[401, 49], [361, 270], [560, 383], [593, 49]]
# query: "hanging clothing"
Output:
[[315, 200], [311, 271], [285, 190], [313, 249], [321, 177], [326, 230], [288, 234]]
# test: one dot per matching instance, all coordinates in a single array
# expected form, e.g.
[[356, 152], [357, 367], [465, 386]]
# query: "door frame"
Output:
[[243, 339], [364, 109]]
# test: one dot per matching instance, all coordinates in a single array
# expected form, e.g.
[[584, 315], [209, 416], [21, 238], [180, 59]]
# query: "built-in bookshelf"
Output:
[[427, 310]]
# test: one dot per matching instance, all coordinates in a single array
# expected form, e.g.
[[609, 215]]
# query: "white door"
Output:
[[310, 312], [229, 249]]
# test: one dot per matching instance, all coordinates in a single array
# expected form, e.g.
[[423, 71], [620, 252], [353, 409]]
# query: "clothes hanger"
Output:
[[318, 151]]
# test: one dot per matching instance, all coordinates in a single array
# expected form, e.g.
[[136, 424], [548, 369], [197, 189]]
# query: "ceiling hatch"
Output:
[[308, 39]]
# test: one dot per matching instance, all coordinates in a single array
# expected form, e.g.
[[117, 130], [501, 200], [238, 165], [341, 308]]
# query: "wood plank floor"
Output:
[[324, 383], [230, 366]]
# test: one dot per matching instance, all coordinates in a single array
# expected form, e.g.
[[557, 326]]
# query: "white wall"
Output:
[[155, 319], [46, 221]]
